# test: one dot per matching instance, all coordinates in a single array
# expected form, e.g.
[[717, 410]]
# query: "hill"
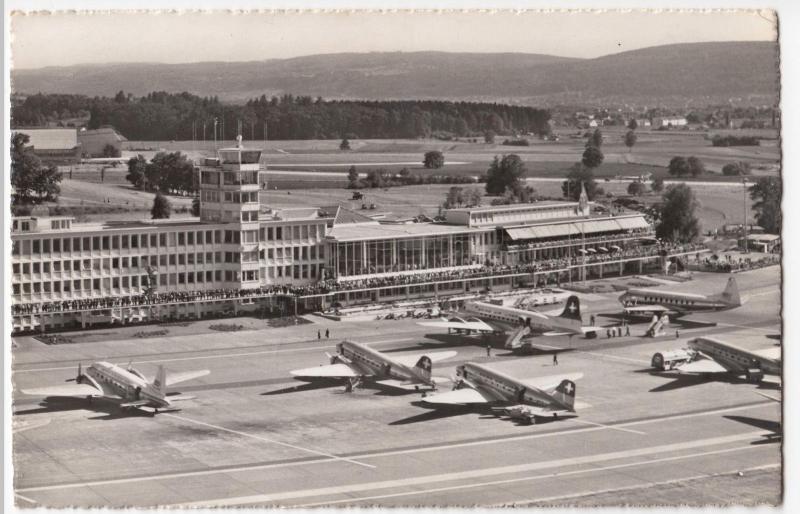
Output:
[[680, 73]]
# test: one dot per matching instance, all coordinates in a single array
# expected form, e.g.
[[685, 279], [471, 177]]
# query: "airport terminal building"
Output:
[[241, 255]]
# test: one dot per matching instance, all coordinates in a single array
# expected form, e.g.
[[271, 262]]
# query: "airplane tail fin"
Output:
[[731, 293], [573, 309], [565, 393], [160, 382], [423, 367]]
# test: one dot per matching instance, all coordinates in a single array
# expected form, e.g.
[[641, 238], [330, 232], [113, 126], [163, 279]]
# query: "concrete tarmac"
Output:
[[255, 436]]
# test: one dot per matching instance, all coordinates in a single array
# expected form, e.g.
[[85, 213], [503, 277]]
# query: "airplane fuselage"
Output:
[[372, 362], [512, 316], [128, 385], [678, 303], [734, 358], [506, 389]]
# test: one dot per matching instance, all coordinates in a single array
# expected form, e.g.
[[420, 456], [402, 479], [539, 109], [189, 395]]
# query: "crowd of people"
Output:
[[730, 263], [332, 285]]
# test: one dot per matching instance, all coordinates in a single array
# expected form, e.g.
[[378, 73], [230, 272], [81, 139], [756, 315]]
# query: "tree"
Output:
[[735, 169], [433, 159], [161, 208], [678, 166], [678, 220], [503, 173], [592, 157], [474, 197], [488, 136], [633, 124], [344, 145], [696, 166], [577, 176], [111, 151], [352, 178], [767, 193], [196, 206], [595, 139], [657, 185], [136, 171], [630, 139], [637, 188], [455, 197], [170, 172], [28, 176]]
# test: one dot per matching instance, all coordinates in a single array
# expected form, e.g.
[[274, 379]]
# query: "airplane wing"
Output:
[[339, 370], [772, 379], [458, 397], [476, 325], [176, 378], [138, 403], [769, 353], [65, 390], [702, 366], [646, 308], [411, 360], [551, 381], [769, 397], [405, 385]]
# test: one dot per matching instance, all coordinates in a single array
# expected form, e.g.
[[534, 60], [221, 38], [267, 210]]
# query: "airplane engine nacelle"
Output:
[[663, 361], [755, 375]]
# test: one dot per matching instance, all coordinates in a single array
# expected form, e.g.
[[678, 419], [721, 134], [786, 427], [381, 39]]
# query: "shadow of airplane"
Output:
[[434, 413], [110, 408], [773, 426], [680, 322], [679, 381], [451, 341], [306, 385]]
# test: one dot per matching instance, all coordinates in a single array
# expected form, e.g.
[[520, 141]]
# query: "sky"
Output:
[[62, 39]]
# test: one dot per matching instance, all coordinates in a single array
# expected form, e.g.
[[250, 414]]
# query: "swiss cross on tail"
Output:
[[424, 363], [573, 308], [567, 387]]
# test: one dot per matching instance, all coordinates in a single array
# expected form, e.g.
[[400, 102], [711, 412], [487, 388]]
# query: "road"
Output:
[[255, 436]]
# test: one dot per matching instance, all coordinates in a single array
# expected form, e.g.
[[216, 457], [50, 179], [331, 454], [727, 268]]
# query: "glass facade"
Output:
[[390, 255]]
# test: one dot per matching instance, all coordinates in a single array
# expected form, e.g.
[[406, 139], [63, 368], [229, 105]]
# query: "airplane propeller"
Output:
[[332, 358], [79, 378]]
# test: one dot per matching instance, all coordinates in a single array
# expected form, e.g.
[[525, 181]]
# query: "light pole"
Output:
[[744, 206]]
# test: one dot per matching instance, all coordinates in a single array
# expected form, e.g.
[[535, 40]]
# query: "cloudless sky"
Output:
[[62, 39]]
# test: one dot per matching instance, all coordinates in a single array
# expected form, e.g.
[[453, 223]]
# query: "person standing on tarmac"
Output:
[[488, 350], [327, 333], [555, 359]]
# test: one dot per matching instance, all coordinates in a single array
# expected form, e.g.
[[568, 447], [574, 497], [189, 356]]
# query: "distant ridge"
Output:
[[690, 72]]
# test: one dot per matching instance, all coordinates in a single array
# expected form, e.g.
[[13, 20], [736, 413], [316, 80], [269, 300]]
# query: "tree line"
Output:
[[160, 116]]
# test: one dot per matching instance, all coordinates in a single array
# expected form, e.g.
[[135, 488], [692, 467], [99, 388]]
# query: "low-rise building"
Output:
[[54, 146]]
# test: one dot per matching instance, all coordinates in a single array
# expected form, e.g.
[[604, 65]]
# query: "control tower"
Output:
[[229, 186]]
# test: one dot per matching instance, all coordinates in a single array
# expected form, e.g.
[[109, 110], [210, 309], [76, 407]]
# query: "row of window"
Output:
[[181, 259], [36, 247], [296, 271]]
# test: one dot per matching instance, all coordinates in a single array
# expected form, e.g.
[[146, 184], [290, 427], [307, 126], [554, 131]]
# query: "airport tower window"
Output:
[[35, 267], [199, 257], [124, 242], [182, 259], [218, 275], [57, 266], [124, 262], [15, 248], [68, 244], [278, 233], [181, 238], [56, 245], [56, 287], [172, 259], [46, 246], [190, 238], [15, 267], [36, 247], [115, 263], [135, 240], [37, 287], [45, 267], [76, 265]]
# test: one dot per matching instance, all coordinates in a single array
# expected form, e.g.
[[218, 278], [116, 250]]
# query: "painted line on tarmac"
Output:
[[223, 356], [748, 327], [614, 357], [524, 503], [485, 472], [387, 453], [540, 477], [25, 498], [268, 440], [610, 427]]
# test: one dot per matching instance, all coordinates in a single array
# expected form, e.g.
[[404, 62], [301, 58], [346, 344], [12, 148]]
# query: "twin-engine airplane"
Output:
[[128, 384], [647, 302], [707, 356], [356, 363], [482, 317], [523, 400]]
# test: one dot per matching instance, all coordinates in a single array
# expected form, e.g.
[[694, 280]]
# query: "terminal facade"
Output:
[[241, 255]]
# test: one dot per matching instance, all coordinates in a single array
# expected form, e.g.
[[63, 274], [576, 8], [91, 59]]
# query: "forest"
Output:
[[160, 116]]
